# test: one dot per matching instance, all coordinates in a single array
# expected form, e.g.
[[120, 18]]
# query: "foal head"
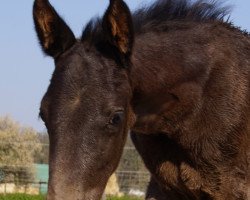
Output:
[[86, 108]]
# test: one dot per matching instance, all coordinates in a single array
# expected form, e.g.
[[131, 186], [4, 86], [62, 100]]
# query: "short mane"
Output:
[[169, 10], [162, 11]]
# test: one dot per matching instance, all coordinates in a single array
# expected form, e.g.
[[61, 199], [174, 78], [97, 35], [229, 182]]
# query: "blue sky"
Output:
[[25, 72]]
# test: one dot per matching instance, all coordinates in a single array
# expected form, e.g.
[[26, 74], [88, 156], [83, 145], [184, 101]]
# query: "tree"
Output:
[[42, 157], [17, 148]]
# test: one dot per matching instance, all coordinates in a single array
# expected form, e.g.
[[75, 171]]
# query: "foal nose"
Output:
[[71, 193], [76, 197], [63, 194]]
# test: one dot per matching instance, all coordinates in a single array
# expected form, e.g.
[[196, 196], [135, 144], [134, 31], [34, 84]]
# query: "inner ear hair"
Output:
[[54, 34], [118, 27]]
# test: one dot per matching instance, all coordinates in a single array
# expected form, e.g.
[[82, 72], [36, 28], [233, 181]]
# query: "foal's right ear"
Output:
[[54, 34]]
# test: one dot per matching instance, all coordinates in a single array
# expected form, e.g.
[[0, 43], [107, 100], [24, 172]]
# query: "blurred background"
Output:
[[24, 76]]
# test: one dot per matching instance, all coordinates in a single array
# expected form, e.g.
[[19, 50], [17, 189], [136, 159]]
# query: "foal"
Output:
[[175, 74]]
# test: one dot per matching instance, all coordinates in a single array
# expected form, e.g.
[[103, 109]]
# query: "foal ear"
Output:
[[54, 34], [118, 27]]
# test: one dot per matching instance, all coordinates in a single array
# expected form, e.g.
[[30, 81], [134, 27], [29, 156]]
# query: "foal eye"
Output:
[[117, 118]]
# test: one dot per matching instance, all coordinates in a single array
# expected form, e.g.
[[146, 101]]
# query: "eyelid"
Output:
[[109, 110], [119, 110], [114, 111]]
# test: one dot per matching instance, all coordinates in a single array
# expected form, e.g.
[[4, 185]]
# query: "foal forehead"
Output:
[[83, 67], [83, 63]]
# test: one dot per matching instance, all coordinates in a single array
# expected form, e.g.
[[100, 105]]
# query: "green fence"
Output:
[[42, 176]]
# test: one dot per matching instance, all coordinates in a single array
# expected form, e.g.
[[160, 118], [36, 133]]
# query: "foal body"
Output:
[[191, 99], [175, 74]]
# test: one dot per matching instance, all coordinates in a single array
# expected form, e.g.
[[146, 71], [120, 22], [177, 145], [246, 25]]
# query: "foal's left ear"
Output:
[[118, 27]]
